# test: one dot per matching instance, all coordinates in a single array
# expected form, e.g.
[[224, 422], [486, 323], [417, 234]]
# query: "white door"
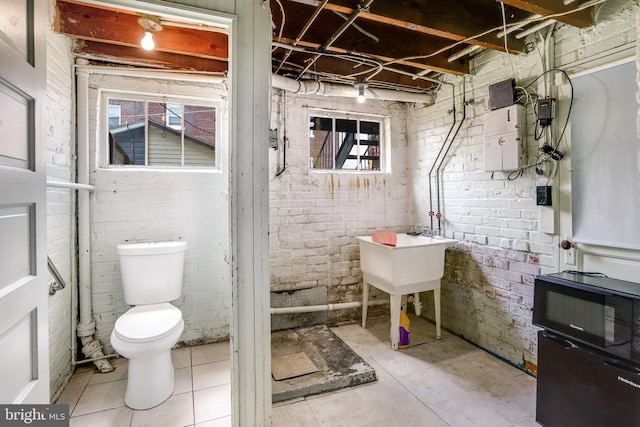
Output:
[[24, 358], [593, 136]]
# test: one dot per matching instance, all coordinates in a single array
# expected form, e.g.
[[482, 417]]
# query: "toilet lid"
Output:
[[145, 323]]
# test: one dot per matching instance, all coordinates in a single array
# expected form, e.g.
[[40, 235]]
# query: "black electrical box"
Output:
[[543, 195], [546, 107], [502, 94]]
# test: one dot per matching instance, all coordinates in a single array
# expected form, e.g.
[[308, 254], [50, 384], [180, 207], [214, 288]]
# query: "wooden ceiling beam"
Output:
[[437, 18], [155, 59], [581, 19], [120, 28], [457, 68]]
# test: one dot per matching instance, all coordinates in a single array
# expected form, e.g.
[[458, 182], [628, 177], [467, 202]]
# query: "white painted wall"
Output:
[[61, 229], [145, 204]]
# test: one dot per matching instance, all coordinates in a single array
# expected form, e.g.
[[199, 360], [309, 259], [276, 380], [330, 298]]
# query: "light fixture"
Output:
[[151, 26], [361, 87]]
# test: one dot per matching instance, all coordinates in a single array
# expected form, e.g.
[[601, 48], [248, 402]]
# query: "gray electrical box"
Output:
[[504, 133]]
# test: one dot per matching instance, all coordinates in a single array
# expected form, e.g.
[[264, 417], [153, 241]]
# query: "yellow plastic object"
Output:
[[405, 324]]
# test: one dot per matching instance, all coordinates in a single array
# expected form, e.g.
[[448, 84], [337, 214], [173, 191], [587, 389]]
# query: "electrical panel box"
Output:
[[504, 133]]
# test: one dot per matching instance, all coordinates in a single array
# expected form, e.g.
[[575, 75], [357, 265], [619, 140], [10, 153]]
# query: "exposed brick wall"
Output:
[[61, 230], [137, 204], [315, 216], [487, 291]]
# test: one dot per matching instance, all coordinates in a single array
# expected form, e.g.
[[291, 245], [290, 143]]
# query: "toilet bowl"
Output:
[[145, 334]]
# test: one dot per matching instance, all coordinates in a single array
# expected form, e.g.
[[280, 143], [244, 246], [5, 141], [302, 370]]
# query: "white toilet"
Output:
[[151, 277]]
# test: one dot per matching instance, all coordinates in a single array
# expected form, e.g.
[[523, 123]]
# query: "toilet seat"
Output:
[[146, 323]]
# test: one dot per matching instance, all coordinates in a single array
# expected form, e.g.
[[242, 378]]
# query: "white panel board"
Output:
[[16, 360], [15, 255], [14, 127], [13, 21]]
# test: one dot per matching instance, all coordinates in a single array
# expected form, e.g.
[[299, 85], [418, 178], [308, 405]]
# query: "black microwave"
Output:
[[597, 311]]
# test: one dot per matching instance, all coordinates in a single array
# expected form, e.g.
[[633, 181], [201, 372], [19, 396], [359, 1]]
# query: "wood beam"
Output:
[[121, 28], [442, 66], [437, 18], [581, 19], [155, 59]]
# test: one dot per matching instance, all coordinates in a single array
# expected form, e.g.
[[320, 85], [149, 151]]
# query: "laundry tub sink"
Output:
[[415, 264]]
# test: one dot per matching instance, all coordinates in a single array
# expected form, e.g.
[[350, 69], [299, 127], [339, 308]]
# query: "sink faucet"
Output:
[[424, 230]]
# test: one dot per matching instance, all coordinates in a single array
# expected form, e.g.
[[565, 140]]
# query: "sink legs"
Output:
[[365, 302], [396, 303], [436, 303]]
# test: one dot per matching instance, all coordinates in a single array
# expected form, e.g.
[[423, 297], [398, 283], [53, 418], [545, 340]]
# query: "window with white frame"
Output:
[[341, 141], [157, 133]]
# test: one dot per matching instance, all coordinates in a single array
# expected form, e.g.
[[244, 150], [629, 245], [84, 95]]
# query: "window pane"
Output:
[[346, 144], [174, 115], [114, 115], [127, 136], [165, 142], [321, 140], [369, 145], [199, 135]]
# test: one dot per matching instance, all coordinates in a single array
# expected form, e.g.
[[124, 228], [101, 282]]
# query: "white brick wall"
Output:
[[315, 216], [134, 204], [60, 205], [488, 284]]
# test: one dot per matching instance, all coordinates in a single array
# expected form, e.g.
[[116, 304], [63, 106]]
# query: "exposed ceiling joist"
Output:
[[403, 44], [121, 28]]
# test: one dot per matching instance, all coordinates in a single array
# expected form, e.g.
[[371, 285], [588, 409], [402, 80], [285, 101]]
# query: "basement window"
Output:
[[153, 133], [346, 142]]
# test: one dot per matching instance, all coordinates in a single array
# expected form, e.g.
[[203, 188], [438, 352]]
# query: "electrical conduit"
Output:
[[444, 156]]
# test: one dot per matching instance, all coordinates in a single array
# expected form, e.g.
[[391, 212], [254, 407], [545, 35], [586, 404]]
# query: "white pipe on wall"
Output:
[[311, 87], [71, 185], [323, 307], [91, 348]]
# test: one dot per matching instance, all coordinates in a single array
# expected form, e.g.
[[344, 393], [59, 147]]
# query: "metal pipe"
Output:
[[464, 115], [323, 307], [535, 28], [86, 328], [70, 185], [516, 27], [466, 51], [303, 31], [312, 87], [356, 13], [362, 58], [435, 160]]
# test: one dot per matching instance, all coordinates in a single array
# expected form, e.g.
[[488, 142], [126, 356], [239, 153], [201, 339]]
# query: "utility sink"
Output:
[[415, 264]]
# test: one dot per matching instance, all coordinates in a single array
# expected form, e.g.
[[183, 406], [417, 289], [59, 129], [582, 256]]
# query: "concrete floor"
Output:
[[338, 365], [432, 384]]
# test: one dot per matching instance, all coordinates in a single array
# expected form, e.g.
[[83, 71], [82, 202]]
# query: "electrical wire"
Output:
[[505, 38], [501, 27], [570, 100]]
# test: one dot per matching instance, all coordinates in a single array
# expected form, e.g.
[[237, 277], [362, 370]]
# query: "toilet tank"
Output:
[[152, 271]]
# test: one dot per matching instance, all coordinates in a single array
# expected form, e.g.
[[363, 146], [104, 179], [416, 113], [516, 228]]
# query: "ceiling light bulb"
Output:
[[361, 87], [150, 25], [147, 41]]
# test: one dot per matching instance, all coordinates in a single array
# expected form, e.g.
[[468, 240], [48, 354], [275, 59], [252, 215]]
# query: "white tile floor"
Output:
[[434, 383]]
